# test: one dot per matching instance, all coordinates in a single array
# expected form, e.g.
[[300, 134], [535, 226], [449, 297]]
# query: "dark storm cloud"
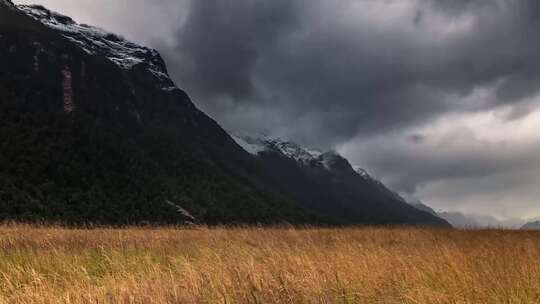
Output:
[[340, 71], [367, 74], [221, 42]]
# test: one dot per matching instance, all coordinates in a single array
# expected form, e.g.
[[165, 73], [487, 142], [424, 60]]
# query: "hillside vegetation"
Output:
[[100, 134], [268, 265]]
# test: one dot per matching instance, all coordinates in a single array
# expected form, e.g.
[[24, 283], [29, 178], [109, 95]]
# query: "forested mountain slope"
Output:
[[93, 130]]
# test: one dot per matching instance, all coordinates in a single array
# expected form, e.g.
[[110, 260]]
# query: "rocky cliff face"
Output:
[[327, 183]]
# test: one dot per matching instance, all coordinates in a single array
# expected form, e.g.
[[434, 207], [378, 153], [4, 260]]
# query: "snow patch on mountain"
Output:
[[252, 145], [294, 151], [255, 145], [302, 155], [364, 174], [361, 171], [330, 159]]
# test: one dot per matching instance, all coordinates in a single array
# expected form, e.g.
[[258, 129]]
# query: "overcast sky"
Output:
[[439, 99]]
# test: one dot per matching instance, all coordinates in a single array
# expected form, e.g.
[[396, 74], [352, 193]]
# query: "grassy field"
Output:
[[268, 265]]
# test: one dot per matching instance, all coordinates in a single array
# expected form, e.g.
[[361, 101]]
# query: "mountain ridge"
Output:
[[471, 221], [534, 225], [89, 136], [315, 177]]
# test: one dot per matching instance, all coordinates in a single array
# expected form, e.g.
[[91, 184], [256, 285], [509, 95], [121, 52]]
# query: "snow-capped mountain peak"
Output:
[[295, 151], [255, 145], [96, 41], [364, 173], [252, 145], [331, 160], [361, 171]]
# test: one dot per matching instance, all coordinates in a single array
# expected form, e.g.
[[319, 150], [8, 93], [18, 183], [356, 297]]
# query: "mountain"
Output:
[[327, 183], [456, 219], [460, 220], [93, 130], [470, 221], [531, 226], [421, 206]]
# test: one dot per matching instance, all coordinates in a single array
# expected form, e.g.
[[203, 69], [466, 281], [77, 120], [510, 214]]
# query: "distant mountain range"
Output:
[[461, 220], [531, 226], [93, 130]]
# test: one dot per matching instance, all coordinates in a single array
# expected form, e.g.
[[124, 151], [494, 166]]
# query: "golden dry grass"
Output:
[[268, 265]]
